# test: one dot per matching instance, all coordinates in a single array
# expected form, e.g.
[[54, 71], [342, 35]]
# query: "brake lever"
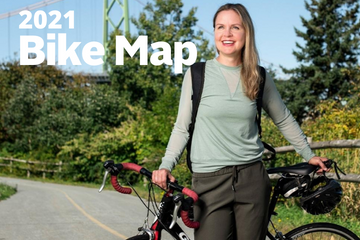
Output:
[[331, 162], [178, 201], [104, 181], [328, 163]]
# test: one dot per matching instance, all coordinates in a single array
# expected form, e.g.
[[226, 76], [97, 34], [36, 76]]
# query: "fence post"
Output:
[[28, 171], [11, 165], [60, 163]]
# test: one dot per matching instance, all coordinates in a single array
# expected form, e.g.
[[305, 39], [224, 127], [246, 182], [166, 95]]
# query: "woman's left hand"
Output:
[[318, 161]]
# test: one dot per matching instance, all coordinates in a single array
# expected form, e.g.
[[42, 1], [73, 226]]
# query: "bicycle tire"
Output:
[[139, 237], [321, 231]]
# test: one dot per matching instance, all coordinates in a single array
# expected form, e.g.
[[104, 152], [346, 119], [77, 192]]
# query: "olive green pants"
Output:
[[233, 203]]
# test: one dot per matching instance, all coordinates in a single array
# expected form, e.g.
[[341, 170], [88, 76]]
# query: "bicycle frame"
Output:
[[164, 219], [276, 193]]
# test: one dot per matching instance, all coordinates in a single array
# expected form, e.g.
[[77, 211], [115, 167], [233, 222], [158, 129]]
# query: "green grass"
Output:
[[6, 191], [290, 217]]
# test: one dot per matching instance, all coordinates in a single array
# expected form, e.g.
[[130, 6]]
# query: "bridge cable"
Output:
[[9, 41]]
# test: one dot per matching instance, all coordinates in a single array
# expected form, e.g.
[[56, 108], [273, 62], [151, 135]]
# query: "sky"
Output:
[[274, 22]]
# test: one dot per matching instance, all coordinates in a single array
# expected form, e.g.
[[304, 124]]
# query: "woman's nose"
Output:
[[227, 32]]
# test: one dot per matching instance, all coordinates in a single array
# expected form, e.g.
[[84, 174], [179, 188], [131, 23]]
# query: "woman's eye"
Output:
[[220, 27], [236, 27]]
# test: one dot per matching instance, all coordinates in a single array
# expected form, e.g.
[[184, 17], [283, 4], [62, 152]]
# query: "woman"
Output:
[[229, 177]]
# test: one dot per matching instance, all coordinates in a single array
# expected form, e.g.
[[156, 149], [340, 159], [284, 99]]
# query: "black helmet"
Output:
[[323, 196]]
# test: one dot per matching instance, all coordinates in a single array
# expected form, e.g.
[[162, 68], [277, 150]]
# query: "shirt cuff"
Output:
[[307, 153], [167, 164]]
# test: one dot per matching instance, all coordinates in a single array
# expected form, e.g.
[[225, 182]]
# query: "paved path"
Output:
[[45, 211]]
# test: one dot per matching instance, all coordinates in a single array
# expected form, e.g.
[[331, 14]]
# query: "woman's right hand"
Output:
[[159, 177]]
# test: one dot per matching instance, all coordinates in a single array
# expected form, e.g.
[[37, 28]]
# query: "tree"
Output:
[[20, 112], [152, 93], [162, 21], [329, 58], [59, 117], [12, 75]]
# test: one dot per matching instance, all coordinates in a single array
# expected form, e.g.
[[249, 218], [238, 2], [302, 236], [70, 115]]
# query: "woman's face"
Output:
[[229, 34]]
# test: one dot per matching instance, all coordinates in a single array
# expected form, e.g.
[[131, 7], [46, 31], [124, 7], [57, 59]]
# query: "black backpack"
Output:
[[198, 76]]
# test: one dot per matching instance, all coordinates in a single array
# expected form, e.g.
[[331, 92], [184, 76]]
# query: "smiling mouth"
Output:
[[227, 42]]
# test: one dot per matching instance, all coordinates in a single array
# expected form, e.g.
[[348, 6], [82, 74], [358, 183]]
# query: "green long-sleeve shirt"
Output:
[[226, 132]]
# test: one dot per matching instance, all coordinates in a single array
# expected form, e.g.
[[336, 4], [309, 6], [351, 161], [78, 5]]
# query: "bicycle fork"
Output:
[[164, 221]]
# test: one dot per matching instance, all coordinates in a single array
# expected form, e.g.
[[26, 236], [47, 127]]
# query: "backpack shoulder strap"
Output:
[[258, 115], [260, 98], [197, 79]]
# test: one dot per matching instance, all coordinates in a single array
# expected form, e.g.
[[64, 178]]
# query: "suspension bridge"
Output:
[[93, 22]]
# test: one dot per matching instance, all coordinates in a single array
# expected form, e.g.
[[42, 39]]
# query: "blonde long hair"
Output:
[[250, 77]]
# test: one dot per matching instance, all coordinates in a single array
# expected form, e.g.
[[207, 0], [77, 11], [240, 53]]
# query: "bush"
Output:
[[334, 122]]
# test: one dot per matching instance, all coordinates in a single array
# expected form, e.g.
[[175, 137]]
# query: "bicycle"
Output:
[[293, 182]]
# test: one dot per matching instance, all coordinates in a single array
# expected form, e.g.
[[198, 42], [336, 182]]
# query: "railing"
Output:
[[30, 163], [349, 177]]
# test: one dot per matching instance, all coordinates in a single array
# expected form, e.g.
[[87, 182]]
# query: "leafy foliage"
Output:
[[49, 122], [141, 138], [335, 121], [12, 74]]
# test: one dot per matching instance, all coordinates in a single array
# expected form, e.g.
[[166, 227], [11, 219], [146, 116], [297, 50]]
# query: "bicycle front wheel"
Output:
[[321, 231], [139, 237]]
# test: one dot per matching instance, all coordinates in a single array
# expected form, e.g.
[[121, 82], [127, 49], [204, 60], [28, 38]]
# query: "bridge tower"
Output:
[[107, 20]]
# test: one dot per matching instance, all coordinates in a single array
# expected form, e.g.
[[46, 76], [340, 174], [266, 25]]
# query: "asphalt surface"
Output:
[[46, 211]]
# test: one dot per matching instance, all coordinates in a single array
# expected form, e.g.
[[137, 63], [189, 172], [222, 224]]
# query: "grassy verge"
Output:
[[6, 191], [290, 217]]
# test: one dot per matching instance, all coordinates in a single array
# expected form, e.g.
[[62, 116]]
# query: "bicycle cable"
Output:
[[147, 207], [151, 199]]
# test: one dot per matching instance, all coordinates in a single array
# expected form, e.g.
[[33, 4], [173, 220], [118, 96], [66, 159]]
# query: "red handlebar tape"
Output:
[[185, 214], [191, 194], [115, 183], [185, 217], [132, 166], [117, 187]]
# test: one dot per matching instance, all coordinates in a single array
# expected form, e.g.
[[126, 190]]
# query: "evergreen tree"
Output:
[[329, 58]]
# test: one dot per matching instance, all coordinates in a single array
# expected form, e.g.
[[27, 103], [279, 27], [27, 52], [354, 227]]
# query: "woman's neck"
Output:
[[229, 61]]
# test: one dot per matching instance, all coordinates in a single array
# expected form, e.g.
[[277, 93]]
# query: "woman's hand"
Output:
[[318, 161], [159, 177]]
